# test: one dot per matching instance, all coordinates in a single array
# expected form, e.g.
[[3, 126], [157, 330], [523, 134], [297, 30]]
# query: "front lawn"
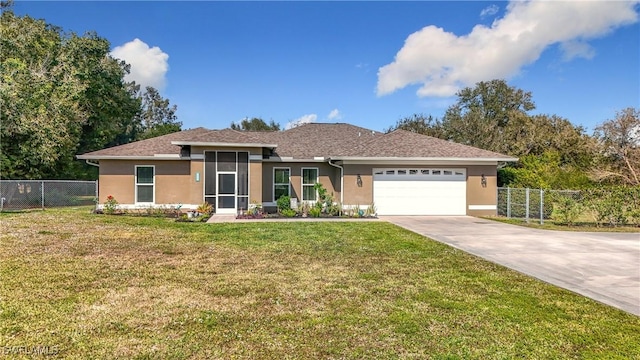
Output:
[[98, 286]]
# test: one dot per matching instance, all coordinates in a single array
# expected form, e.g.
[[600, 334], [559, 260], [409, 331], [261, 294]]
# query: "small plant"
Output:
[[357, 212], [288, 213], [255, 209], [371, 210], [205, 209], [110, 206], [304, 209], [315, 212]]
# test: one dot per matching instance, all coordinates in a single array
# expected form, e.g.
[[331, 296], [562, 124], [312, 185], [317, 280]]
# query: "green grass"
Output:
[[552, 225], [97, 286]]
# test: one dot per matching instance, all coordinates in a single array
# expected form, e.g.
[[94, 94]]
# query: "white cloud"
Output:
[[334, 115], [574, 49], [443, 63], [148, 65], [304, 119], [489, 10]]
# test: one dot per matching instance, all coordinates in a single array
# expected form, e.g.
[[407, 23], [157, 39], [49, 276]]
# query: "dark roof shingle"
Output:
[[335, 140]]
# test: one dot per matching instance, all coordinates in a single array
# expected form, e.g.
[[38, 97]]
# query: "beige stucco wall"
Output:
[[354, 194], [329, 177], [479, 195], [173, 181], [176, 182]]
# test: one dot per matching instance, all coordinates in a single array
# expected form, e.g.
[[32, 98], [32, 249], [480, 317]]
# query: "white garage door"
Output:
[[420, 191]]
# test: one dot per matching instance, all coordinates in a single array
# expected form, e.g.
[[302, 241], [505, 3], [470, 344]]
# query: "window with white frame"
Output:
[[280, 182], [145, 184], [309, 180]]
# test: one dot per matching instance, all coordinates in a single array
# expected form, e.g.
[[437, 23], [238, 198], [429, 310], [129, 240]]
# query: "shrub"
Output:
[[315, 212], [288, 212], [609, 205], [205, 208], [566, 210], [283, 203]]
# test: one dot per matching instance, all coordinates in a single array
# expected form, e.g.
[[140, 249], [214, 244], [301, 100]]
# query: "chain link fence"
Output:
[[614, 206], [41, 194]]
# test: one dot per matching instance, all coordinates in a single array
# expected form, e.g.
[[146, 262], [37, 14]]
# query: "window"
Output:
[[309, 179], [280, 182], [145, 184], [402, 172]]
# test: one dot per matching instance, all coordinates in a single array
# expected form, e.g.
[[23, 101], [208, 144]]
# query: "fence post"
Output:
[[541, 207], [42, 193], [97, 198], [508, 203], [526, 213]]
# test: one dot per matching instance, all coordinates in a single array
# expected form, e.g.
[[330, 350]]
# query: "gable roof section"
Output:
[[337, 141], [156, 146], [228, 137], [406, 144], [320, 140]]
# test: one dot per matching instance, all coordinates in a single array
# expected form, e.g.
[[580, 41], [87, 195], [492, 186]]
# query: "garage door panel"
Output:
[[419, 197]]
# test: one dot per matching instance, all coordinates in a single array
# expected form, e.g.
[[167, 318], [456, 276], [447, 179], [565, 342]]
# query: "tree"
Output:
[[494, 116], [420, 124], [620, 155], [482, 113], [60, 94], [255, 124], [156, 116]]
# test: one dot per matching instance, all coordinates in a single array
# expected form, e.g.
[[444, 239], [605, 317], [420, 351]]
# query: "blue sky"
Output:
[[365, 63]]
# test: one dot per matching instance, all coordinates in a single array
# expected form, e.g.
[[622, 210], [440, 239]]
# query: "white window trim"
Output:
[[153, 184], [303, 184], [273, 195]]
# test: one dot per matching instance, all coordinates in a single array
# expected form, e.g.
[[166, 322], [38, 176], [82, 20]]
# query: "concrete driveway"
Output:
[[602, 266]]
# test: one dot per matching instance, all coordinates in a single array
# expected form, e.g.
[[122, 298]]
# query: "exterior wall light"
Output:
[[359, 180], [197, 176], [483, 181]]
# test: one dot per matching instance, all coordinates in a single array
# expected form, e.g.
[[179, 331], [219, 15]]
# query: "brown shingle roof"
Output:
[[337, 140], [402, 143], [230, 136], [317, 139], [149, 147]]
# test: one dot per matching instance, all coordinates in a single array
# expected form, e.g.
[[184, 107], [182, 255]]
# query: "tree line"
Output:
[[62, 94], [553, 153]]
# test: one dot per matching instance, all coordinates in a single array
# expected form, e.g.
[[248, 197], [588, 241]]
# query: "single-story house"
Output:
[[400, 172]]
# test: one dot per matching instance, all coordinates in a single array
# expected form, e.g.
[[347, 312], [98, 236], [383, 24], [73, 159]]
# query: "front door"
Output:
[[226, 193]]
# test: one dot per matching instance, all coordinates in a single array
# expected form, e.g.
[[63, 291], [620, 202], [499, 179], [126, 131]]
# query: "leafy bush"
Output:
[[613, 205], [288, 212], [566, 210], [284, 203]]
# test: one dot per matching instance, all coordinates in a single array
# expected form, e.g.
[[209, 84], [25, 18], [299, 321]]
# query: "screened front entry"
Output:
[[226, 180]]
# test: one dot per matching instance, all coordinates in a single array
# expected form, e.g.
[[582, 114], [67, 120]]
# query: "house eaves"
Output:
[[132, 157], [421, 160]]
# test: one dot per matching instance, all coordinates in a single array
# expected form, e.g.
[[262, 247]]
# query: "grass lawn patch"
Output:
[[96, 286]]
